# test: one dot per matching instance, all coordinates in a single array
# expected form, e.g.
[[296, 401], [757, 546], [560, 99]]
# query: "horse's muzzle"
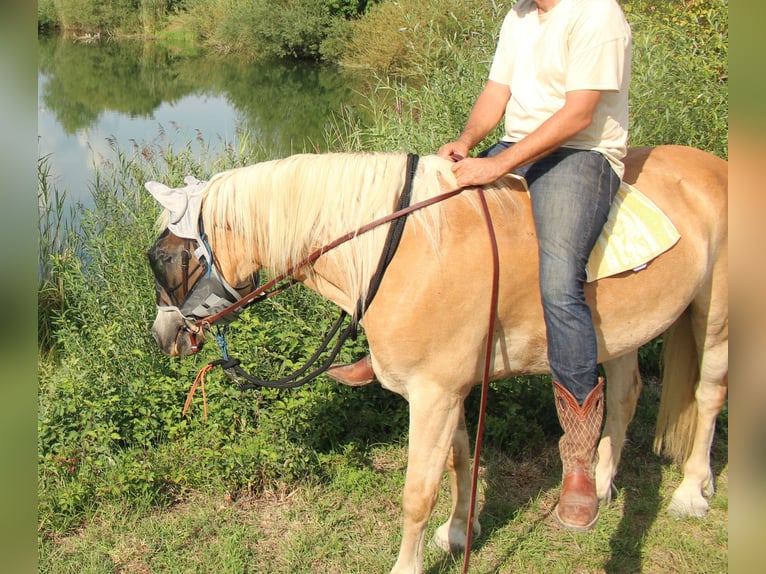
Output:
[[175, 335]]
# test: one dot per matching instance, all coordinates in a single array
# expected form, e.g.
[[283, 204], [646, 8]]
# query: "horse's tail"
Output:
[[677, 417]]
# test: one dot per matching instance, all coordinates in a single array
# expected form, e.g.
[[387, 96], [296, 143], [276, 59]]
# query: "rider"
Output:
[[560, 76]]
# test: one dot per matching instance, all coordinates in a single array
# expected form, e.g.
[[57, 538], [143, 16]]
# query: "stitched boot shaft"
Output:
[[578, 505]]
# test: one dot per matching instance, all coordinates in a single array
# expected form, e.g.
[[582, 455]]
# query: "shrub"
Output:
[[106, 16], [46, 15], [407, 37], [310, 29]]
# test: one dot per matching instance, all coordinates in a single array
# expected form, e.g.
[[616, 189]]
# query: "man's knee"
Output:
[[560, 285]]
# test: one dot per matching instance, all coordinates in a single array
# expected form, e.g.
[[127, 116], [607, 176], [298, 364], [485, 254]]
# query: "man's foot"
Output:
[[578, 505], [354, 375]]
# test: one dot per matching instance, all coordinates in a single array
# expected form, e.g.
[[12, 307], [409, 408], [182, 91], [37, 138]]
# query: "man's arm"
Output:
[[485, 115], [574, 116]]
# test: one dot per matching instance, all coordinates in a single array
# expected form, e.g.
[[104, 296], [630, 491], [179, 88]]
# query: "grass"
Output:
[[350, 522]]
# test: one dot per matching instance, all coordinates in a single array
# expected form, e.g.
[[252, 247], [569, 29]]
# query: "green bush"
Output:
[[310, 29], [104, 16], [289, 28], [46, 15]]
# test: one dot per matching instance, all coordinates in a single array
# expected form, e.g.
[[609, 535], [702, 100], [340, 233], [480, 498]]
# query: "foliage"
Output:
[[110, 429], [264, 29], [287, 29], [408, 37], [259, 28], [46, 15], [95, 17], [679, 91], [112, 17]]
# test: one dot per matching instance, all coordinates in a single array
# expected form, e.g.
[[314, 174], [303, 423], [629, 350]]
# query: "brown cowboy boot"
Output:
[[354, 375], [578, 505]]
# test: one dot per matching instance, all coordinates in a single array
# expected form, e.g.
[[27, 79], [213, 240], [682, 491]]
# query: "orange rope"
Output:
[[198, 381]]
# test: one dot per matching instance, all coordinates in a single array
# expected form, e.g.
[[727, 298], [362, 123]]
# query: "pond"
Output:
[[94, 98]]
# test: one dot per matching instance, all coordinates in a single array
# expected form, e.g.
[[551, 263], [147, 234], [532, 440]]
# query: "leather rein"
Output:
[[231, 366]]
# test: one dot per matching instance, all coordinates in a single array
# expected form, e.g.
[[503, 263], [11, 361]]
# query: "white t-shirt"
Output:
[[577, 45]]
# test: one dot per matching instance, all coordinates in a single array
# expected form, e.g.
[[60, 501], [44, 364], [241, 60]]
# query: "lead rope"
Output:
[[485, 379], [198, 381], [232, 367]]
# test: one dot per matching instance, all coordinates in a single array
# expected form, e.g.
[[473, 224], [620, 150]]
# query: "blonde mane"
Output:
[[276, 213]]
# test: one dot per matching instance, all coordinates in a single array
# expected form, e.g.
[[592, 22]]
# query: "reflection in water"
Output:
[[136, 93]]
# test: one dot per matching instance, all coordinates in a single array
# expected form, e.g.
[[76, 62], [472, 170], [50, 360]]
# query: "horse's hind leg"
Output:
[[689, 499], [623, 387], [434, 417], [451, 535], [696, 381]]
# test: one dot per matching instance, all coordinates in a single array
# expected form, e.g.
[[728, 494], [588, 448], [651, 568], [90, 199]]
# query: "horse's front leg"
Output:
[[451, 536], [434, 417], [623, 387]]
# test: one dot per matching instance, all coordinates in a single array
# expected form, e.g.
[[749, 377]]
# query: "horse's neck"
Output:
[[330, 284]]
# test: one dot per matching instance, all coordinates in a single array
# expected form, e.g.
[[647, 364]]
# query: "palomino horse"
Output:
[[426, 327]]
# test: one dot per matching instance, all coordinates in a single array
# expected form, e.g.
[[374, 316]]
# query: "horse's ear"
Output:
[[174, 200], [191, 180]]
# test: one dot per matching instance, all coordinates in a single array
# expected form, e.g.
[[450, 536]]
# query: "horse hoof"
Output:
[[694, 507], [453, 539], [606, 498]]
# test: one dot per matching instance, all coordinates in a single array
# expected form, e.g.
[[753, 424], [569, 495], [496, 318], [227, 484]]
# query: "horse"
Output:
[[427, 327]]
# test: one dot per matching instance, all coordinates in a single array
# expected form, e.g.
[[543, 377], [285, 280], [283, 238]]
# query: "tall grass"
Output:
[[58, 244], [679, 91]]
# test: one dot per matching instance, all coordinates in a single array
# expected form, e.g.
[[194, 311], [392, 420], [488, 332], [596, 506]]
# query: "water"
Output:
[[93, 98]]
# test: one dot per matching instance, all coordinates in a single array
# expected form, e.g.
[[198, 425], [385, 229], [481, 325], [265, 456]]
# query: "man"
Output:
[[560, 76]]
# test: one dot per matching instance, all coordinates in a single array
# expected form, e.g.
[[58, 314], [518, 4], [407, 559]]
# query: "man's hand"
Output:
[[475, 171], [454, 151]]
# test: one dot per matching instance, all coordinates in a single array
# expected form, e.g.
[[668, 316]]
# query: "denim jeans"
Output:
[[571, 193]]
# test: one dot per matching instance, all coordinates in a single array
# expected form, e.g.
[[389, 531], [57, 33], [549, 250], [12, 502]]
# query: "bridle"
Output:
[[201, 292]]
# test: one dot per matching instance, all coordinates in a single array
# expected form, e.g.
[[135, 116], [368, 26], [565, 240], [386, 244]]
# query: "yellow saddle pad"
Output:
[[635, 232]]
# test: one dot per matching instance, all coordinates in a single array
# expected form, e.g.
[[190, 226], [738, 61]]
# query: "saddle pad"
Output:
[[635, 232]]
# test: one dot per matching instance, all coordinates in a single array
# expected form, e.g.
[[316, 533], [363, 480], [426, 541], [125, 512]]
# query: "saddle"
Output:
[[636, 231]]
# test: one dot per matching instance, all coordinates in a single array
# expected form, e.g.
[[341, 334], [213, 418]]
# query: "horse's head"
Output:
[[189, 285], [176, 271]]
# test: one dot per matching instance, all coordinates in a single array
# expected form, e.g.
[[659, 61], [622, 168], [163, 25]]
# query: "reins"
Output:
[[251, 297], [232, 367], [485, 377], [297, 379]]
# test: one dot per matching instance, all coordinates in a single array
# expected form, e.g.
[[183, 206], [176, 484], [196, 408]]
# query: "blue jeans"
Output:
[[571, 193]]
